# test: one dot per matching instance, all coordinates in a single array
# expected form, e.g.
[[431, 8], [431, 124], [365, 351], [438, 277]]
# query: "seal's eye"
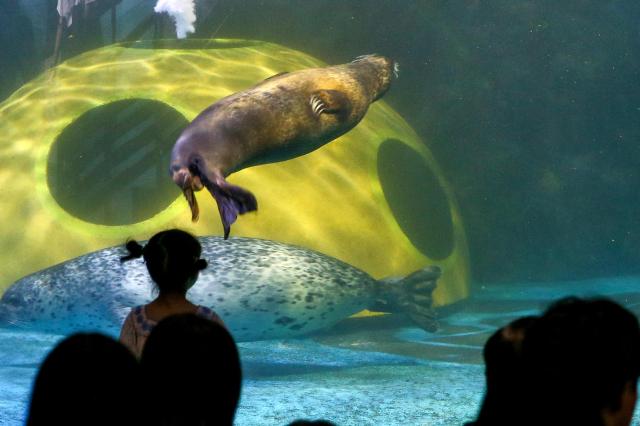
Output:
[[195, 159], [195, 165]]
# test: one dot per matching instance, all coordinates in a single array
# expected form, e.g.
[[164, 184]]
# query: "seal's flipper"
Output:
[[330, 102], [411, 295], [185, 179], [317, 106], [193, 203], [232, 200]]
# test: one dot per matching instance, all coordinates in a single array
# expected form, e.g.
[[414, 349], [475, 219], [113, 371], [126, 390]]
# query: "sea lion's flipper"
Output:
[[232, 200], [411, 295], [330, 102], [189, 183]]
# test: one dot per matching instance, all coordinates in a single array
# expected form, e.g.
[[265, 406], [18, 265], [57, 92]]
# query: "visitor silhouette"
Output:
[[173, 260], [576, 364], [192, 373], [503, 371], [87, 379], [581, 360]]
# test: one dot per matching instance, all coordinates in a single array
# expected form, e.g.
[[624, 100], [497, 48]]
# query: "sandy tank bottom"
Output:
[[364, 371]]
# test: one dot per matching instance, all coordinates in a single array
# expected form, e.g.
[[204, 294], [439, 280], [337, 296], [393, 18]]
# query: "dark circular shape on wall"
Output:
[[416, 198], [188, 44], [111, 165]]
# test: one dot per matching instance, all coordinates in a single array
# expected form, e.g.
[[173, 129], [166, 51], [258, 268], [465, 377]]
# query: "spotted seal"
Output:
[[285, 116], [262, 289]]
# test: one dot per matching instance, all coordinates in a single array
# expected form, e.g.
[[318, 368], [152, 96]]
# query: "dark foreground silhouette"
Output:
[[576, 364], [191, 370], [87, 379]]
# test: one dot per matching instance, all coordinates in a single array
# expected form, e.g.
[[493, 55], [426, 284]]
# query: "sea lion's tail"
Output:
[[411, 295], [232, 200]]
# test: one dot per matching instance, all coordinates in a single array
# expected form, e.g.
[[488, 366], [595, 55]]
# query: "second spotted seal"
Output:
[[285, 116]]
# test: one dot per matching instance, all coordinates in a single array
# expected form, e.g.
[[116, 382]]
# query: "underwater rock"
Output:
[[262, 290]]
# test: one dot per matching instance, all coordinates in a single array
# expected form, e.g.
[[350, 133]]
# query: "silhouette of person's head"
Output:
[[172, 258], [303, 422], [86, 379], [582, 359], [503, 360], [191, 368]]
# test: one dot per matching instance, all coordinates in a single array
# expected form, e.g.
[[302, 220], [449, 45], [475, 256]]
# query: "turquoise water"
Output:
[[285, 380], [364, 371]]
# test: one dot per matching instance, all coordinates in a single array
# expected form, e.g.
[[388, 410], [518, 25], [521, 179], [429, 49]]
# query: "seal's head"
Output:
[[191, 172], [377, 73], [188, 179]]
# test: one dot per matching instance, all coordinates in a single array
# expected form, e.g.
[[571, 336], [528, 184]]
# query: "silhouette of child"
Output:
[[87, 379], [192, 374], [173, 261]]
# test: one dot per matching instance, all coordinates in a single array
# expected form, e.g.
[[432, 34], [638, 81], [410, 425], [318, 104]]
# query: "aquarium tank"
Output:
[[398, 181]]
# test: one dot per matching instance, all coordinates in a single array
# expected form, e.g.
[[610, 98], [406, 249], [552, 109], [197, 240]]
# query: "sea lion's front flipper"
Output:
[[330, 102], [411, 295], [189, 183], [232, 200]]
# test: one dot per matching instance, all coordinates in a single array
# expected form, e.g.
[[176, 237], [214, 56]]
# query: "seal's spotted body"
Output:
[[262, 289]]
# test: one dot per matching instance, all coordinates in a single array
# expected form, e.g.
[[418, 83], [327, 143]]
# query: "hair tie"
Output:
[[135, 251], [200, 264]]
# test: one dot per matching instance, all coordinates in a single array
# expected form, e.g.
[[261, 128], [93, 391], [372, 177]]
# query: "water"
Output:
[[506, 153], [362, 371]]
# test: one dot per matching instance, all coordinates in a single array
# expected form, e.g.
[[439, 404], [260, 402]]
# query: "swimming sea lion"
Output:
[[285, 116], [260, 288]]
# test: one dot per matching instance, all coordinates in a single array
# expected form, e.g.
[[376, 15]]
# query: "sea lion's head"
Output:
[[376, 72], [186, 175]]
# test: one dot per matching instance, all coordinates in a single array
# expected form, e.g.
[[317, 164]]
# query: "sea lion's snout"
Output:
[[185, 179], [389, 69], [380, 70], [189, 184]]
